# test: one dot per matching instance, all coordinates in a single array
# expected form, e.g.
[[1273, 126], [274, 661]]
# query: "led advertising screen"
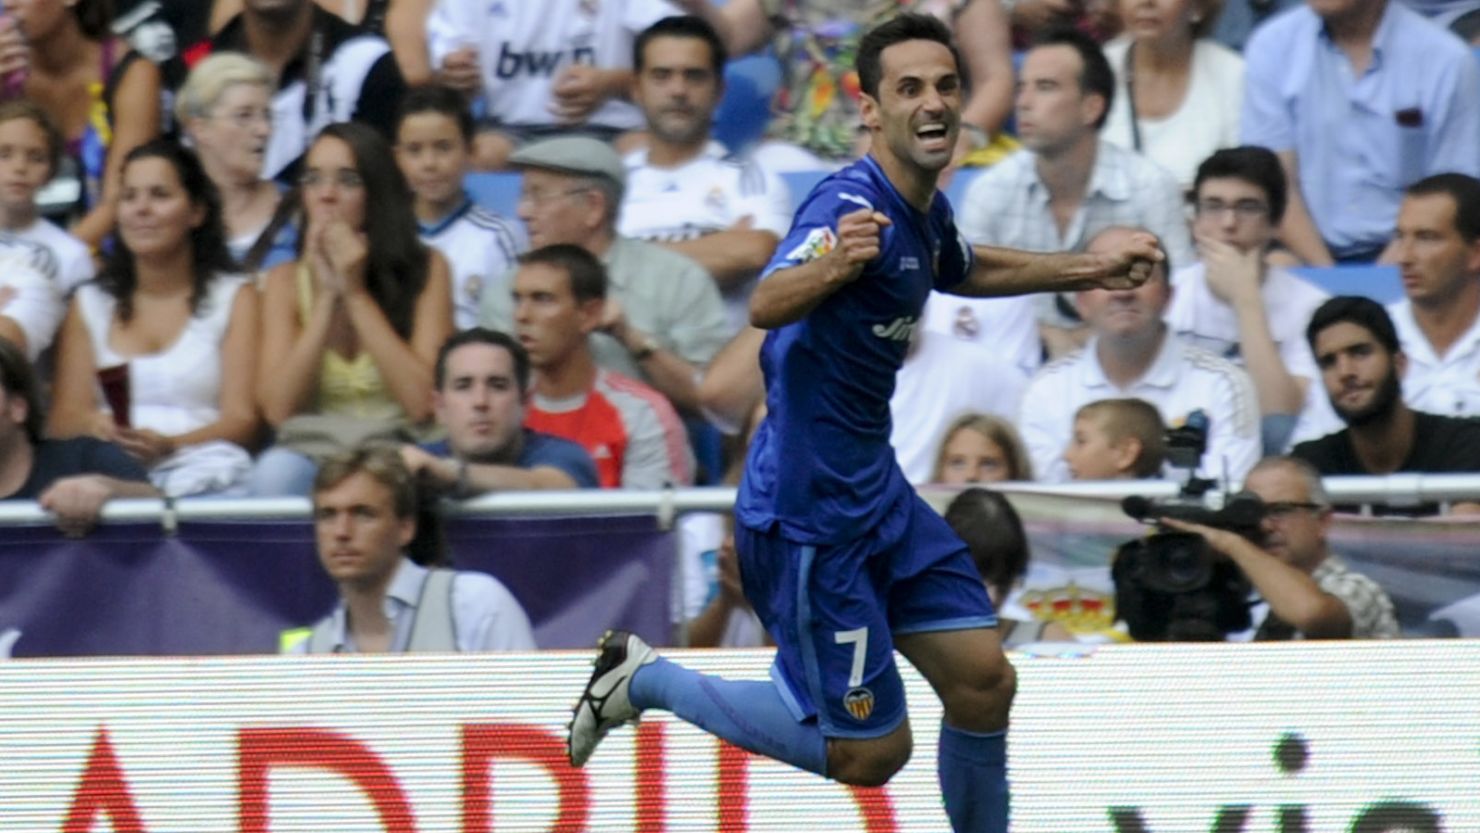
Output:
[[1290, 738]]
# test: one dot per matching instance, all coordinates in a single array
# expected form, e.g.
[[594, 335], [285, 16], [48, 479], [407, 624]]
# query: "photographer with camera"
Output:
[[1310, 592]]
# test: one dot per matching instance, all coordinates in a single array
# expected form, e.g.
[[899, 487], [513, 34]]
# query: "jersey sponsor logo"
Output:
[[513, 62], [859, 702], [900, 329], [819, 242], [908, 262]]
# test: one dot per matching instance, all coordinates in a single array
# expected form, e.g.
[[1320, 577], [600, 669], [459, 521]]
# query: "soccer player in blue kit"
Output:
[[843, 562]]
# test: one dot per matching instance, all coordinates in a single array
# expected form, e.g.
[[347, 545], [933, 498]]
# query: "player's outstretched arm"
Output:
[[787, 295], [1013, 272]]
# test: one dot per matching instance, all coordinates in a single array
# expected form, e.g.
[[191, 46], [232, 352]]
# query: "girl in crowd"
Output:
[[171, 329], [981, 448], [352, 327], [225, 108], [103, 96]]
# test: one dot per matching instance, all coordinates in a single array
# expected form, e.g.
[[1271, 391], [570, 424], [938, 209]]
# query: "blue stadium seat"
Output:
[[497, 192], [801, 183], [745, 110], [1380, 283], [960, 181]]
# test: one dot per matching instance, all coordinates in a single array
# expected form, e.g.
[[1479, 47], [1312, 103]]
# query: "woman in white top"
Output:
[[1178, 92], [225, 109], [168, 309]]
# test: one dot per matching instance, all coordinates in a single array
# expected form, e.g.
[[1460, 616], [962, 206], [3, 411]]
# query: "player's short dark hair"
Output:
[[492, 338], [587, 275], [1253, 164], [1354, 309], [436, 98], [682, 26], [17, 378], [898, 29], [994, 535], [1095, 75], [1464, 190]]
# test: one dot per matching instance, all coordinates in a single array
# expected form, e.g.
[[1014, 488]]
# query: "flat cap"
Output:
[[579, 155]]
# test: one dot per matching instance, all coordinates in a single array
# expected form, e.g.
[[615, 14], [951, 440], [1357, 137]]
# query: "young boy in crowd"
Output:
[[33, 299], [434, 136], [1116, 439]]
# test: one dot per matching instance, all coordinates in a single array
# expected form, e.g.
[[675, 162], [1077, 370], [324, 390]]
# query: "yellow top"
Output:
[[347, 387]]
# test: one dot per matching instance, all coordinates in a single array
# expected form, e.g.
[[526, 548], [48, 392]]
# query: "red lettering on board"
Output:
[[483, 743], [259, 751], [652, 778], [103, 789]]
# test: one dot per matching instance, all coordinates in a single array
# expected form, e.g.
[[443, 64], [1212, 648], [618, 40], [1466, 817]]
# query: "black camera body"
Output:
[[1171, 586]]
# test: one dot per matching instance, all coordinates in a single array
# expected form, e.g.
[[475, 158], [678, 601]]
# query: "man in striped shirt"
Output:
[[629, 429]]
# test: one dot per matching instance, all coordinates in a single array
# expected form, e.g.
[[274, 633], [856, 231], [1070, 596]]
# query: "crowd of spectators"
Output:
[[235, 240]]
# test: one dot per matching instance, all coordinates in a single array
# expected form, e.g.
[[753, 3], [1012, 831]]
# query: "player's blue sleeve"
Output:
[[814, 228]]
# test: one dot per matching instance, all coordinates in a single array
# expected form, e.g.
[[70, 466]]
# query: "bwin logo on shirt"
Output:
[[512, 63], [900, 329]]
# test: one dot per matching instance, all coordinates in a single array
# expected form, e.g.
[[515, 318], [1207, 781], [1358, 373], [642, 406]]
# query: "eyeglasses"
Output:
[[1245, 209], [535, 197], [1281, 510], [347, 180], [246, 118]]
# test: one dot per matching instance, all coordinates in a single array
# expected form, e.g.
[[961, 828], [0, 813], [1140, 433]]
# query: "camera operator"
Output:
[[1310, 592]]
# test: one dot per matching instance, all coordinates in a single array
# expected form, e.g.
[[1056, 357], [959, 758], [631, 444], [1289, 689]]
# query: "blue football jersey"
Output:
[[821, 464]]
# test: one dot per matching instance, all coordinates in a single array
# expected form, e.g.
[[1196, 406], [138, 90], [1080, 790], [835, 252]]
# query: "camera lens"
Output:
[[1182, 563]]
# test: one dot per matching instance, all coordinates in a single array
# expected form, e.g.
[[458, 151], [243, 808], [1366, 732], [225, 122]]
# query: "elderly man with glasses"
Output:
[[1235, 305], [1309, 593]]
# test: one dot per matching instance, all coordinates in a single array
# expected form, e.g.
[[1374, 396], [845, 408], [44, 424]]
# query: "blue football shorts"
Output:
[[834, 610]]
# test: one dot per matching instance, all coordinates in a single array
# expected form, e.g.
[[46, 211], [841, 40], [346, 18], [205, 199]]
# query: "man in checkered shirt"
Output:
[[1310, 593]]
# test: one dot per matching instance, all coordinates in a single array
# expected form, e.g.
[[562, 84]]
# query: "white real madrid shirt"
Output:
[[523, 45], [1181, 379], [709, 193], [1447, 384], [480, 247]]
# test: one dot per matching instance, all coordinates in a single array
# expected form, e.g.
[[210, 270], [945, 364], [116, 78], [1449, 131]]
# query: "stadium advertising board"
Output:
[[1135, 739]]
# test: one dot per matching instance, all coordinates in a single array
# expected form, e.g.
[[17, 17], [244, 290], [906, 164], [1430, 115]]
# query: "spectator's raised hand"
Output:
[[15, 52], [460, 70], [148, 447], [614, 319], [579, 90], [327, 282], [1233, 274], [346, 251]]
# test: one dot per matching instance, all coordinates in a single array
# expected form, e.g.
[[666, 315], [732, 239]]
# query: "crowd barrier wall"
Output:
[[218, 577], [1377, 737]]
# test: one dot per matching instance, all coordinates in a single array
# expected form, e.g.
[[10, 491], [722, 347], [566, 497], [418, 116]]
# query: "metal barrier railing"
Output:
[[1394, 489]]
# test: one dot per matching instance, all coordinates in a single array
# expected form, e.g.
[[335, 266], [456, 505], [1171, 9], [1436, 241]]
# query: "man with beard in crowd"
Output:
[[1361, 364]]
